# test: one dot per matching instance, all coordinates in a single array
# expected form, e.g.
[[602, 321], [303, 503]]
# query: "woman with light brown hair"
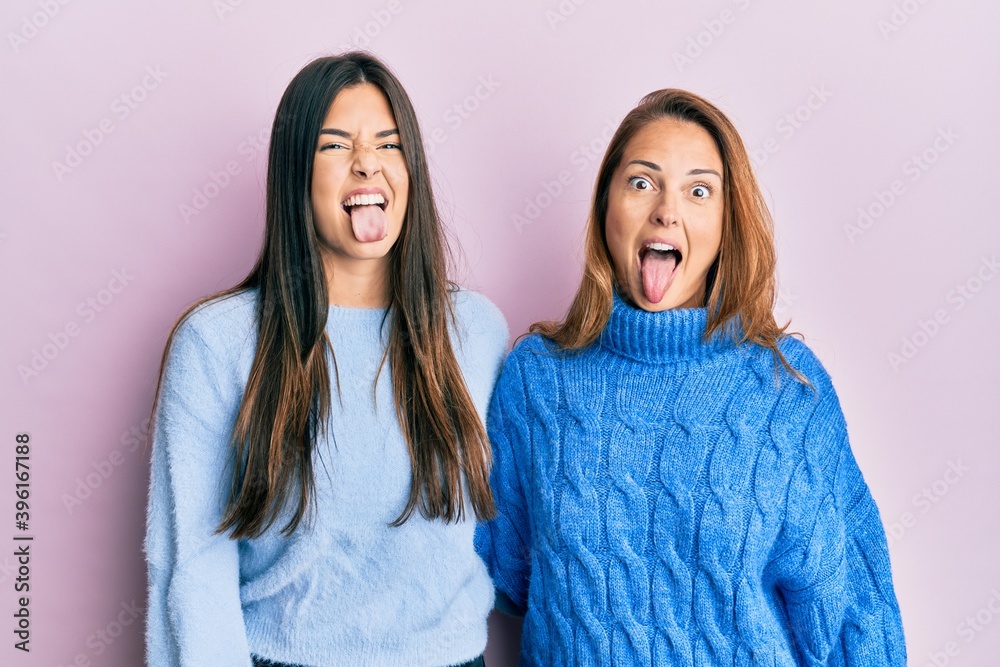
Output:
[[673, 477]]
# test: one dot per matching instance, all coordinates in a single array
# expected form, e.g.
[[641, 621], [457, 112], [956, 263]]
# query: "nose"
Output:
[[366, 161], [667, 210]]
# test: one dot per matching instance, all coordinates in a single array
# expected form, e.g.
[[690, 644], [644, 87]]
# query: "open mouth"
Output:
[[363, 200], [367, 212], [660, 251], [658, 262]]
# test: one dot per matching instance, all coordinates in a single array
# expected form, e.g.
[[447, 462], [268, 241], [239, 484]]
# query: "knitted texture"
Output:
[[668, 501], [346, 589]]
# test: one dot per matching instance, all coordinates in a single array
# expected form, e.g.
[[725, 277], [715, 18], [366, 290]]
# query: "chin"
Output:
[[376, 250], [666, 304], [670, 301]]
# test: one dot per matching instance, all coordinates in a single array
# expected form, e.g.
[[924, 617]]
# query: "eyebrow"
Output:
[[347, 135], [648, 165], [693, 172], [696, 172]]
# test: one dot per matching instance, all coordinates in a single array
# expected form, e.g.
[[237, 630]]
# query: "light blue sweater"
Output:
[[350, 589], [662, 503]]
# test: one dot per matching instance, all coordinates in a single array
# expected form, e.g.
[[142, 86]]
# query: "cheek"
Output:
[[398, 179], [616, 232], [613, 237], [325, 201], [323, 186], [403, 193], [707, 239], [619, 246]]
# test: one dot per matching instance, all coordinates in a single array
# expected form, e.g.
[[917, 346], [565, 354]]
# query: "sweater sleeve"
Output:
[[836, 581], [504, 543], [194, 612]]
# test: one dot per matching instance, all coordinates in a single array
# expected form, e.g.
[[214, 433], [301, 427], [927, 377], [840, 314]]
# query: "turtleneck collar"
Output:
[[661, 338]]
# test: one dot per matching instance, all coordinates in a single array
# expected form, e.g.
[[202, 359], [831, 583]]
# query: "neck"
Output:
[[669, 336], [357, 283]]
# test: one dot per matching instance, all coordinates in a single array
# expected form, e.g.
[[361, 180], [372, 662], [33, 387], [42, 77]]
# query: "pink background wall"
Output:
[[886, 109]]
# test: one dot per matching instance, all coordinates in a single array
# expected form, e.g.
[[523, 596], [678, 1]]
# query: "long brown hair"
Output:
[[286, 402], [740, 283]]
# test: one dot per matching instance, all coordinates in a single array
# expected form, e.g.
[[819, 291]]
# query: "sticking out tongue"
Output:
[[369, 223], [657, 270]]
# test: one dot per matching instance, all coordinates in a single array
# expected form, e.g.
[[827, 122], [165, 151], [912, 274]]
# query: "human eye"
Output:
[[392, 145], [640, 183], [702, 191], [333, 145]]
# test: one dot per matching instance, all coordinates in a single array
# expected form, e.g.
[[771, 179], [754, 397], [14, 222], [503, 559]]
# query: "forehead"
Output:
[[357, 105], [669, 140]]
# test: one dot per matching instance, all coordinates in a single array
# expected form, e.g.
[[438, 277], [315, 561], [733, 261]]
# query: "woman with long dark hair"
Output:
[[674, 481], [319, 457]]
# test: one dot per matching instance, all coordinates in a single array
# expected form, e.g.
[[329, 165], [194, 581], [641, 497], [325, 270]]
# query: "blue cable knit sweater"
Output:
[[662, 502], [350, 589]]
